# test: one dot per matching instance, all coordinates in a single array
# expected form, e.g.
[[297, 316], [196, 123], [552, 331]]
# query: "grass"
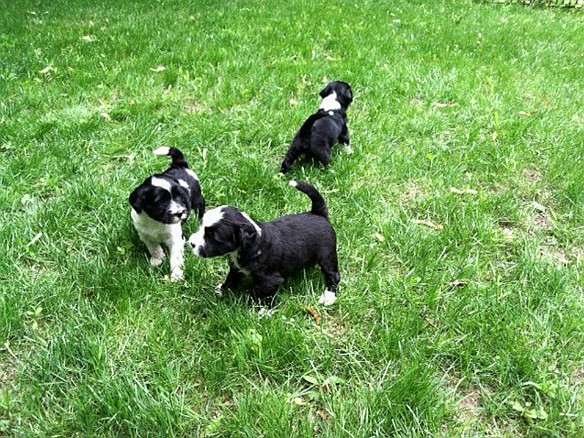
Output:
[[459, 219]]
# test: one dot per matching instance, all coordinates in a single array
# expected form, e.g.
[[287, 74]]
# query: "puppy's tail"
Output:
[[178, 159], [318, 204]]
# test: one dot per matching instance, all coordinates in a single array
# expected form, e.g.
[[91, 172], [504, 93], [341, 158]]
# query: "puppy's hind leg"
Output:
[[320, 150], [344, 140], [294, 151], [332, 277]]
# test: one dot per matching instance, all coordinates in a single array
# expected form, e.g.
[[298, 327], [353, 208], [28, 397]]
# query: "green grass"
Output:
[[459, 314]]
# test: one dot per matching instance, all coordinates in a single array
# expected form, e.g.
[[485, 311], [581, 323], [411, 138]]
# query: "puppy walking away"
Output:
[[322, 129]]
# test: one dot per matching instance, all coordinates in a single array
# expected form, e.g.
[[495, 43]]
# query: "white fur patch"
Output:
[[293, 183], [153, 233], [219, 290], [191, 173], [256, 226], [176, 209], [162, 183], [330, 102], [184, 184], [163, 150], [210, 218], [328, 298], [233, 257]]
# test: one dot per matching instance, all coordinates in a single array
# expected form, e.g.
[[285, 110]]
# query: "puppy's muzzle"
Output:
[[197, 245]]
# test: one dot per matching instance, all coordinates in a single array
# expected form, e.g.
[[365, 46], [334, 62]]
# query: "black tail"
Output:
[[178, 159], [318, 204]]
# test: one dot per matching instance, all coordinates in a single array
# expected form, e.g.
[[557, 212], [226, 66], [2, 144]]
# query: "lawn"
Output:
[[459, 217]]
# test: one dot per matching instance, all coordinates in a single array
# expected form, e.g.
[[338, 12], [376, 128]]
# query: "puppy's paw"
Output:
[[328, 298], [348, 149], [177, 275], [156, 261], [265, 312], [219, 290]]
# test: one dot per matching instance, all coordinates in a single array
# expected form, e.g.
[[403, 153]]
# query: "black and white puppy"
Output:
[[322, 129], [161, 204], [268, 252]]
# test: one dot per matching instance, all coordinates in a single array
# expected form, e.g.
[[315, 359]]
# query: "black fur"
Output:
[[155, 200], [285, 245], [322, 129]]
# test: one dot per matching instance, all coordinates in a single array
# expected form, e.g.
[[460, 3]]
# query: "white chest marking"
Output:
[[233, 258], [154, 230]]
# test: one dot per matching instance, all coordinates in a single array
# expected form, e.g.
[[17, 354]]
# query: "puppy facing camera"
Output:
[[321, 130], [268, 252], [162, 204]]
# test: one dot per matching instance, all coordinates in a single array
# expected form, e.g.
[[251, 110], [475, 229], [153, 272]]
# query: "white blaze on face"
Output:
[[197, 240], [330, 102]]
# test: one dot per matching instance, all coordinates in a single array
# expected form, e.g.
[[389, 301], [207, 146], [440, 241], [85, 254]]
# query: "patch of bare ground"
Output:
[[469, 406], [413, 191], [554, 254], [531, 175], [578, 376]]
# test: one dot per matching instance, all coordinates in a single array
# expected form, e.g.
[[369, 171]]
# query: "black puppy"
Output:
[[270, 251], [322, 129], [161, 204]]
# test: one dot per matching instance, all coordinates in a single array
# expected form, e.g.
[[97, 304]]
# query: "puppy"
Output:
[[268, 252], [161, 204], [322, 129]]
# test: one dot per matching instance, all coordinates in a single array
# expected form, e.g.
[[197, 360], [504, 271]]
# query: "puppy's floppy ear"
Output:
[[345, 96], [247, 237], [137, 198], [326, 91]]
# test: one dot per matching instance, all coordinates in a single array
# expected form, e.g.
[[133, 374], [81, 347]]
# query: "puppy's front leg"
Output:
[[155, 250], [266, 287], [176, 249], [234, 276]]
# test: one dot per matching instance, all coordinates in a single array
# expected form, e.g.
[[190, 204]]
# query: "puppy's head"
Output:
[[162, 200], [342, 90], [224, 230]]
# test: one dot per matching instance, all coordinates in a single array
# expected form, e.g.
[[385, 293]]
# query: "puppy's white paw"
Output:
[[265, 312], [156, 261], [177, 275], [219, 291], [348, 149], [328, 298]]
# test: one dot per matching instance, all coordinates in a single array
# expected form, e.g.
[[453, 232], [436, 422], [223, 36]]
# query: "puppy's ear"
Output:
[[345, 96], [326, 91], [247, 237], [137, 198]]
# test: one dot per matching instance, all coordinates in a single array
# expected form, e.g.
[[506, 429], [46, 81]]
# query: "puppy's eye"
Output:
[[209, 233]]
